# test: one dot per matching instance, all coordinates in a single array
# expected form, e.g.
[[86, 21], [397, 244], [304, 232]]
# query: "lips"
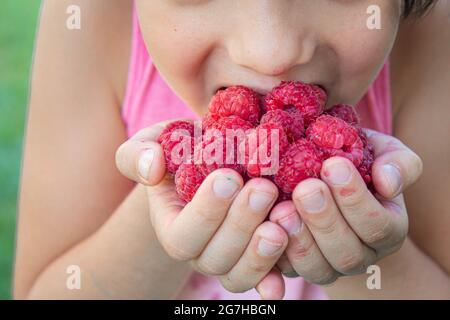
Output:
[[263, 91]]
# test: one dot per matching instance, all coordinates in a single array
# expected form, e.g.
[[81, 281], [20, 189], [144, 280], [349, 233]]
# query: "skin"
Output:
[[104, 220]]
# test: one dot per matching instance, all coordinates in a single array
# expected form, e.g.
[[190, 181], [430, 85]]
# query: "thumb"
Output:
[[395, 167], [141, 158]]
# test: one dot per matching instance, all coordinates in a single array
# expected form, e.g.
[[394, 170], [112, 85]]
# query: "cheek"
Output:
[[178, 49], [362, 52]]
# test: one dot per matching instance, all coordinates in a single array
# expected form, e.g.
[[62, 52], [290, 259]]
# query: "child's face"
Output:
[[200, 46]]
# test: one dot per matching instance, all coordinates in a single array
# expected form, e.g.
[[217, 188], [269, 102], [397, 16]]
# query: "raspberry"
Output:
[[175, 139], [345, 112], [235, 136], [291, 122], [230, 123], [222, 135], [335, 137], [237, 100], [308, 99], [321, 95], [260, 159], [187, 180], [302, 160], [207, 122], [365, 168]]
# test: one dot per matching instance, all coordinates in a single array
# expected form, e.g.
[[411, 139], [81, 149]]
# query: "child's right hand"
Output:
[[222, 230]]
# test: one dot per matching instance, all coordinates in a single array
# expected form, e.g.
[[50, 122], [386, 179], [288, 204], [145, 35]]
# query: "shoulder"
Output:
[[101, 44]]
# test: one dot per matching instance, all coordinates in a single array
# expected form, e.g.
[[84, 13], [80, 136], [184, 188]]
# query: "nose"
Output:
[[267, 40]]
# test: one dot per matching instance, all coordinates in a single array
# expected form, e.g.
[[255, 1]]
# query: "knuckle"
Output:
[[326, 226], [210, 266], [315, 270], [257, 267], [351, 263], [176, 252], [230, 285], [242, 227], [322, 274], [380, 233], [354, 201], [208, 216], [300, 250]]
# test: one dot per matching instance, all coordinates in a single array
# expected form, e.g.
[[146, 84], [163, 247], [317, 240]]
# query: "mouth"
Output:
[[259, 90], [264, 90]]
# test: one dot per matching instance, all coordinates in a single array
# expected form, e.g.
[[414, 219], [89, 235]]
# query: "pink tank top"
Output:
[[149, 100]]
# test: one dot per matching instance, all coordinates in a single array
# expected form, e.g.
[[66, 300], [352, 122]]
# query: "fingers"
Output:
[[249, 209], [382, 226], [142, 162], [141, 158], [395, 167], [303, 253], [262, 253], [185, 234], [272, 286], [340, 246]]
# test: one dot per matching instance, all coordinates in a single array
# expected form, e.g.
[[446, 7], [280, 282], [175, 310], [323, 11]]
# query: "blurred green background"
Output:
[[18, 20]]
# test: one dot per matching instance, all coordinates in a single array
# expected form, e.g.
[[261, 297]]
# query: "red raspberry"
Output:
[[237, 100], [259, 159], [174, 140], [230, 123], [220, 136], [207, 122], [306, 98], [301, 161], [321, 95], [345, 112], [335, 137], [365, 168], [187, 180], [291, 122]]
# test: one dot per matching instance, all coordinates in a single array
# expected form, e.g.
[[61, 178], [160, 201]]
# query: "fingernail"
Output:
[[291, 224], [145, 162], [259, 200], [225, 187], [339, 173], [313, 202], [267, 248], [392, 175]]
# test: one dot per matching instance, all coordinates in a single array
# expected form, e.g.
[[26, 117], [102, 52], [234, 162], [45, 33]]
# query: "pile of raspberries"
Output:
[[284, 136]]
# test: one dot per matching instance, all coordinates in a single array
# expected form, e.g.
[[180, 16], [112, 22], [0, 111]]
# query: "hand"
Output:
[[221, 231], [336, 226]]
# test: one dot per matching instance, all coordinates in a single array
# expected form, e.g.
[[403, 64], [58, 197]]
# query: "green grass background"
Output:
[[18, 20]]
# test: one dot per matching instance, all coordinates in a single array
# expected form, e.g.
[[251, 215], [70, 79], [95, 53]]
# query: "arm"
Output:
[[73, 206], [420, 269]]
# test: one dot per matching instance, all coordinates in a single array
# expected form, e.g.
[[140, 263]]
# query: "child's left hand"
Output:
[[336, 225]]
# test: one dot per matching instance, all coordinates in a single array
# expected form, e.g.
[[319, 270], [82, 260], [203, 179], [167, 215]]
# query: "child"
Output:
[[79, 216]]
